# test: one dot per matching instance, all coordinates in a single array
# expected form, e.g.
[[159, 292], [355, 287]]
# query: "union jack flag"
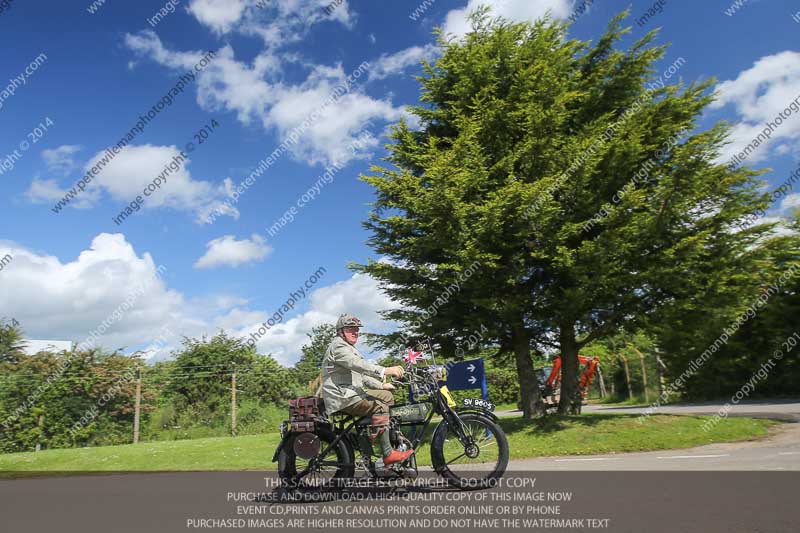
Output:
[[411, 356]]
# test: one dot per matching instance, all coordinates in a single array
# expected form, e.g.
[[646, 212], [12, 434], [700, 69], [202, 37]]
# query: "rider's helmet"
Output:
[[348, 320]]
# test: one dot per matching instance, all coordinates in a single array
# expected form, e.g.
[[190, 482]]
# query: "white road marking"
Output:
[[692, 456], [788, 453], [590, 459]]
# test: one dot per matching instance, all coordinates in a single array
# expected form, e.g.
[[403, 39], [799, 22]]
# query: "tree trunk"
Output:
[[644, 373], [530, 396], [627, 376], [571, 398]]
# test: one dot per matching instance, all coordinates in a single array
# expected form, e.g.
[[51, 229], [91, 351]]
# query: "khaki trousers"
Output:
[[376, 402]]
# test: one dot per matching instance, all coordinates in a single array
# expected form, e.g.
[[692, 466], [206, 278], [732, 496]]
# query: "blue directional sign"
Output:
[[467, 375]]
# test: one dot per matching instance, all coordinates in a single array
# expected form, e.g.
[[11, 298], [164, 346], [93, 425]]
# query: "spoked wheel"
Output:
[[301, 448], [476, 463]]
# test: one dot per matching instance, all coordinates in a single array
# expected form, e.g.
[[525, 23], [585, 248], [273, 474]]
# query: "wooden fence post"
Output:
[[233, 401], [627, 376], [644, 372], [41, 426], [137, 407]]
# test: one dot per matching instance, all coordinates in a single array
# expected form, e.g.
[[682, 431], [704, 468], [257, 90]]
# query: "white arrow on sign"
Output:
[[471, 367], [472, 379]]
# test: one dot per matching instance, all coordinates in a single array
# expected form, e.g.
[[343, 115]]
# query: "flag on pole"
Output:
[[411, 356]]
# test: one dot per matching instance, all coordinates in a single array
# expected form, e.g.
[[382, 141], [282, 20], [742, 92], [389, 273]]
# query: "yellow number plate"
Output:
[[446, 393]]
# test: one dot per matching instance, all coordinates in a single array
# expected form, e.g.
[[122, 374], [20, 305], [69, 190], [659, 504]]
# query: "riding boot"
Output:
[[386, 444]]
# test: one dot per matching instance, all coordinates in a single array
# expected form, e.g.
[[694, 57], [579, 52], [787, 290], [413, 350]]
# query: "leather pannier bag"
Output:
[[303, 413]]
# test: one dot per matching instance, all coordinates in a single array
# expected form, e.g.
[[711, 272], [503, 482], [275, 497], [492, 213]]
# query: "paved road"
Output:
[[780, 451], [788, 411]]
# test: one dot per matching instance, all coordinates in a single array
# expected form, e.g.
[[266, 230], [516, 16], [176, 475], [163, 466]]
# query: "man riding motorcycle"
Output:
[[354, 386]]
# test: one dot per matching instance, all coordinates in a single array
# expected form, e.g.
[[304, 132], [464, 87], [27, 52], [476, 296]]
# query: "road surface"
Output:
[[779, 451], [788, 411]]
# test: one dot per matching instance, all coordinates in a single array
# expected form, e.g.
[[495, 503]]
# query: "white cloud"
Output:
[[228, 301], [780, 229], [327, 10], [60, 159], [47, 191], [135, 167], [232, 85], [457, 22], [219, 15], [389, 64], [277, 22], [228, 251], [67, 300], [147, 42], [254, 92], [759, 94], [328, 138], [131, 171], [359, 295], [792, 201]]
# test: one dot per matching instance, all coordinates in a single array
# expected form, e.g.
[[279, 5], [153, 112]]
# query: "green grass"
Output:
[[554, 435], [636, 401], [591, 434], [506, 407]]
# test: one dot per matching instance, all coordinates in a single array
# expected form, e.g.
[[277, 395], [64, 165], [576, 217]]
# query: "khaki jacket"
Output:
[[346, 375]]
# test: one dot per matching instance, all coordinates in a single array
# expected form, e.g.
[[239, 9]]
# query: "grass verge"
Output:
[[555, 435]]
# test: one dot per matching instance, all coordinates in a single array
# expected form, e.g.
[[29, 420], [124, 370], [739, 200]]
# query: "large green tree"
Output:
[[308, 367], [761, 317], [526, 138]]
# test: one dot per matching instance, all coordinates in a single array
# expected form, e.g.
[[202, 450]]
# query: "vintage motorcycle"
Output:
[[468, 448]]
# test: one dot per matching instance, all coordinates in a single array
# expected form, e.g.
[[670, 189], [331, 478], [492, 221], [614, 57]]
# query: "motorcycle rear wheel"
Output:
[[338, 463]]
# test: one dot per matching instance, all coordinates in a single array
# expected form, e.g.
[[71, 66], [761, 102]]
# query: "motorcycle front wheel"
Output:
[[477, 462]]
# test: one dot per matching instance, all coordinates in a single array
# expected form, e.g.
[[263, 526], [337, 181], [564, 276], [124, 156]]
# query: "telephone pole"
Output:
[[137, 406]]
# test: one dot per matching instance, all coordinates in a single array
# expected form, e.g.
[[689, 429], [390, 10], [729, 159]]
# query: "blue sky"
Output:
[[96, 73]]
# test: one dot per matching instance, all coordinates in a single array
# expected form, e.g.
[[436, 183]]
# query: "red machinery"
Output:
[[551, 387]]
